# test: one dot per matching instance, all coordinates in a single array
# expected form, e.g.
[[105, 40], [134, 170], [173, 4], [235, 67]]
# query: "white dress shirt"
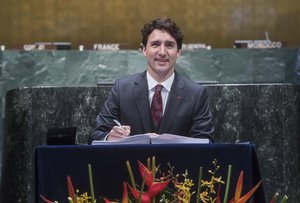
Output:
[[165, 90]]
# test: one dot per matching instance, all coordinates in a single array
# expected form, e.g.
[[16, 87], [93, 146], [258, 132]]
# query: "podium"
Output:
[[54, 163]]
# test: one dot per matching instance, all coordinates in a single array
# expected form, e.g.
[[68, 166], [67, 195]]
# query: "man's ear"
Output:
[[144, 50], [178, 52]]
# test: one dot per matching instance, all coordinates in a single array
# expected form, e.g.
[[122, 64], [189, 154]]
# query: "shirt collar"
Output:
[[167, 83]]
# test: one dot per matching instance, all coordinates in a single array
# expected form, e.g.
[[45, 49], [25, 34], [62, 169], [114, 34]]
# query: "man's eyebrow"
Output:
[[170, 42], [155, 41], [159, 41]]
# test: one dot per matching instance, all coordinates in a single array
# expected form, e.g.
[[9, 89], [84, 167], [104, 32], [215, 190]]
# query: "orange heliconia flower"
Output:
[[238, 190]]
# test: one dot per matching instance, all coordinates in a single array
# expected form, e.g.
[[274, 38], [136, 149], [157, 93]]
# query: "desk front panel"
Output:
[[55, 163]]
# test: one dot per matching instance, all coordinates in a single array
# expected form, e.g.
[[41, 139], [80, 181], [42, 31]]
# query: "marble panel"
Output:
[[269, 116]]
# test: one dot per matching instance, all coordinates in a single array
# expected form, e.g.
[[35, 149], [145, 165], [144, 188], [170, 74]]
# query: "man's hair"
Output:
[[165, 24]]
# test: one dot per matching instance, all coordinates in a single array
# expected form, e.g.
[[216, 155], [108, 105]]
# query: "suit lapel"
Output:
[[174, 102], [140, 93]]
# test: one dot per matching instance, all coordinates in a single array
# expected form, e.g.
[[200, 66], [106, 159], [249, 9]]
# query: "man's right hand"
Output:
[[119, 132]]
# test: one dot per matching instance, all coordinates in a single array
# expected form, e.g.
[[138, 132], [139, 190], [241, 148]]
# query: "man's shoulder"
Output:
[[189, 83], [130, 81], [132, 78]]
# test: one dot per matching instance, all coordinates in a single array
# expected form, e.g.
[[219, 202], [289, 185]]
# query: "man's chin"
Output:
[[161, 69]]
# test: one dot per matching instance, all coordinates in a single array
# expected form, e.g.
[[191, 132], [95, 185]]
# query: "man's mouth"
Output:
[[161, 61]]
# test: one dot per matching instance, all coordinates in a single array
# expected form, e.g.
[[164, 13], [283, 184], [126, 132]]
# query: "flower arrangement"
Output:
[[169, 188]]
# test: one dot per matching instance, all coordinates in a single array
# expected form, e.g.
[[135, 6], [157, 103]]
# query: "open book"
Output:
[[153, 139]]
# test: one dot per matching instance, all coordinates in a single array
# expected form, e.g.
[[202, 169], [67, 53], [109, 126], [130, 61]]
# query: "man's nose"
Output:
[[162, 50]]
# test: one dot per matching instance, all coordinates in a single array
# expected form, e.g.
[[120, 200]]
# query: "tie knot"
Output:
[[158, 88]]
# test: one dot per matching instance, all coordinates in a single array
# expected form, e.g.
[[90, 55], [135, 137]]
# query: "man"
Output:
[[297, 69], [183, 107]]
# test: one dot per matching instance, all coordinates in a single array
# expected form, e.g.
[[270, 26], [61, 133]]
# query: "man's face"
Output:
[[161, 52]]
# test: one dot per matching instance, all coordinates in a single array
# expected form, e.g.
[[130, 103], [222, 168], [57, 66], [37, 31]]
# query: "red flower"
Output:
[[125, 195], [154, 188], [46, 200], [71, 190]]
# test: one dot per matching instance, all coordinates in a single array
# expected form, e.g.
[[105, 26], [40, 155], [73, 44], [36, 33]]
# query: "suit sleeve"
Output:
[[109, 111], [202, 121]]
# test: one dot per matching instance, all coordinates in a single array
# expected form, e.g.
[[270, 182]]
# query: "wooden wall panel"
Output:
[[217, 23]]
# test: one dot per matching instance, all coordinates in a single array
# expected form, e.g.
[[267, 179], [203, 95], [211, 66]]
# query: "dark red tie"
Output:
[[157, 106]]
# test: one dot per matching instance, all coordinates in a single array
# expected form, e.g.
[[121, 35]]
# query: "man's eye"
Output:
[[155, 44], [170, 45]]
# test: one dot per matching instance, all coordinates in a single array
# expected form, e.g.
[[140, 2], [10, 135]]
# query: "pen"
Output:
[[117, 122]]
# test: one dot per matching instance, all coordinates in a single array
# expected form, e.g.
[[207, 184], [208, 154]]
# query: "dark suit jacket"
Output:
[[187, 111]]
